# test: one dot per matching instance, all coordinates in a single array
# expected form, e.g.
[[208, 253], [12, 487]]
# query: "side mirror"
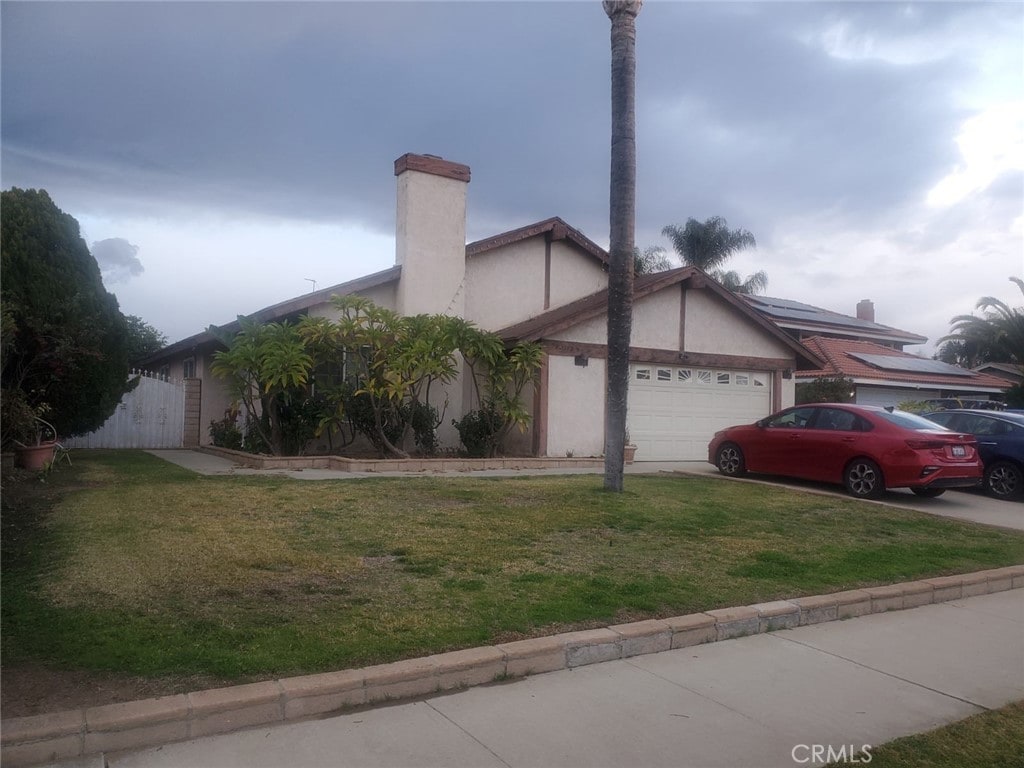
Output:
[[761, 424]]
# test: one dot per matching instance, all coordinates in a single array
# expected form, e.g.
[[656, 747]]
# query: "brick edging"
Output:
[[450, 464], [39, 739]]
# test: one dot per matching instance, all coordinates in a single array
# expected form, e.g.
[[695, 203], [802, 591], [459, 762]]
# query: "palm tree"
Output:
[[995, 337], [622, 219], [709, 244]]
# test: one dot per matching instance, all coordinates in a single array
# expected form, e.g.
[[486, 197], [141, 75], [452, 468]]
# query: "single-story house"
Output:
[[702, 358], [1012, 374], [885, 376]]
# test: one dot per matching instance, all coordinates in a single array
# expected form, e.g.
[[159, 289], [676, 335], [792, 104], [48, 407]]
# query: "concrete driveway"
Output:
[[974, 506]]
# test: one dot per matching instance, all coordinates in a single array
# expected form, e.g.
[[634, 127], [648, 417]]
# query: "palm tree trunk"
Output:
[[622, 217]]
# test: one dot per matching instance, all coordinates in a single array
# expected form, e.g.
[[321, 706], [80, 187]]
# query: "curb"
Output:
[[27, 741]]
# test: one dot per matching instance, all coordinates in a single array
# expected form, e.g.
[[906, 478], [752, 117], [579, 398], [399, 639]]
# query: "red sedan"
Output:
[[863, 448]]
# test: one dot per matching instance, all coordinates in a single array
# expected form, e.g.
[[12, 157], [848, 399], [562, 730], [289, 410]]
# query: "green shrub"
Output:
[[479, 431]]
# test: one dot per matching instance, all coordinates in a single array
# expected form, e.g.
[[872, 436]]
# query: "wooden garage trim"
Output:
[[670, 356]]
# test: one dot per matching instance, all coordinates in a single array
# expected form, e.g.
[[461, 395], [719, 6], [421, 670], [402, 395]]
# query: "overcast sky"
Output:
[[219, 156]]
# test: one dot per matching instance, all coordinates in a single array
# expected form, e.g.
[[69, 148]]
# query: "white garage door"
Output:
[[674, 411]]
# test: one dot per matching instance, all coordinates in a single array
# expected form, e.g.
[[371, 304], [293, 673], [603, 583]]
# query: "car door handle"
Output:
[[849, 439], [986, 442]]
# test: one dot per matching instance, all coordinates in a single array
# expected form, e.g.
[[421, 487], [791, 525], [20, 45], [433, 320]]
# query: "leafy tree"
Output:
[[143, 339], [65, 347], [652, 259], [499, 376], [708, 244], [825, 389], [266, 365], [995, 337], [622, 220], [391, 361]]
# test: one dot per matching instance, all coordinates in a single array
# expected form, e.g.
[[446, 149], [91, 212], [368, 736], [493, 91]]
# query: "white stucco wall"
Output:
[[714, 326], [575, 407], [574, 274], [656, 320], [505, 286]]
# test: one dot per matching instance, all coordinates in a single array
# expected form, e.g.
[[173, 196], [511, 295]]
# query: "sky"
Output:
[[222, 156]]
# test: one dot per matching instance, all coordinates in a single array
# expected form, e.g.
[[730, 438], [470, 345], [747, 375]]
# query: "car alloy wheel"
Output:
[[864, 479], [1004, 480], [730, 460]]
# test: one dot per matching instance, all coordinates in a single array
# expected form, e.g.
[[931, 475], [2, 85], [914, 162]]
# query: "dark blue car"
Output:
[[1000, 438]]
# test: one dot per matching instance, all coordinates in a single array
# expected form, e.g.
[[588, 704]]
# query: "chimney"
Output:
[[430, 235], [866, 310]]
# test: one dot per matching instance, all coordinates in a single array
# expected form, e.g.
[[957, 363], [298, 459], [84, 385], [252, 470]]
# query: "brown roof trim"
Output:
[[596, 304], [281, 310], [554, 227], [432, 164]]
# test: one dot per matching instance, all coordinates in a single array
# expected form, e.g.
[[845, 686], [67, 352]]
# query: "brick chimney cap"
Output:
[[432, 164]]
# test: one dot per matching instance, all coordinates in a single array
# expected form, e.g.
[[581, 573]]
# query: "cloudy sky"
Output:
[[221, 156]]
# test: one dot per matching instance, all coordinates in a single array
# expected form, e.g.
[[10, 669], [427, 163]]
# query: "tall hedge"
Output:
[[69, 349]]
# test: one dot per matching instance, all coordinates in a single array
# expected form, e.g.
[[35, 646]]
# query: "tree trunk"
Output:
[[622, 218]]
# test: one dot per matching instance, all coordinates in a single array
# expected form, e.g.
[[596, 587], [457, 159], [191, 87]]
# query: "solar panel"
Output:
[[914, 364]]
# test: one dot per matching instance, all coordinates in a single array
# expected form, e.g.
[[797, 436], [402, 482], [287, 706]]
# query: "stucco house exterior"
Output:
[[702, 358]]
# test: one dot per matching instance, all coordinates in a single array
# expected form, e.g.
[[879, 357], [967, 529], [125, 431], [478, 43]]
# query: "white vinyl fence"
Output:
[[150, 416]]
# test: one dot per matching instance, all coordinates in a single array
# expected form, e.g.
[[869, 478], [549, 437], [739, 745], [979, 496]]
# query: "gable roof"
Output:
[[806, 317], [282, 310], [1007, 371], [596, 304], [554, 227], [861, 361]]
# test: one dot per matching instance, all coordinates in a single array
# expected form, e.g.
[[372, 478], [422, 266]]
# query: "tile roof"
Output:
[[840, 356]]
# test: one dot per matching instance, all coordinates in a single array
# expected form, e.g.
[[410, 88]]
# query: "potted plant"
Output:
[[629, 450], [33, 437]]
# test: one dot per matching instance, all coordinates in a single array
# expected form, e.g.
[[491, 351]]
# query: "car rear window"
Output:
[[909, 420]]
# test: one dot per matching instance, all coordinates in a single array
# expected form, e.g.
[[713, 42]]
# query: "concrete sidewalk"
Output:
[[763, 700]]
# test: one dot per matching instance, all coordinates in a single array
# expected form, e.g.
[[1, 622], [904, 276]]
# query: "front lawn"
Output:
[[136, 566]]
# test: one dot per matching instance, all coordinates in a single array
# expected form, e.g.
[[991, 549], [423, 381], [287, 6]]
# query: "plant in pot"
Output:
[[629, 450], [33, 438]]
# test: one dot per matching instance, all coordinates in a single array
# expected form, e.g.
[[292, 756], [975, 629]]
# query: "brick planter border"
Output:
[[343, 464], [26, 741]]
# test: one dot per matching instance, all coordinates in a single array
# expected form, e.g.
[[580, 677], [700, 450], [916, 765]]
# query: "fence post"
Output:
[[193, 406]]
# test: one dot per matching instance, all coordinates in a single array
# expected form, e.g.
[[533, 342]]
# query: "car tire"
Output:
[[863, 479], [928, 493], [730, 461], [1004, 480]]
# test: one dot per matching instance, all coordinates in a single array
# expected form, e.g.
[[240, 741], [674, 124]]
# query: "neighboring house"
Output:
[[804, 321], [886, 377], [702, 359], [1012, 374]]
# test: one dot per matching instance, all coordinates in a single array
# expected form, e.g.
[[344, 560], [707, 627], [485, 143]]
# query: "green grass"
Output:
[[990, 740], [126, 563]]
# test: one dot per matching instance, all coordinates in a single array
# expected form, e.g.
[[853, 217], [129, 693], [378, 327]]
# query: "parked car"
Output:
[[863, 448], [1000, 436]]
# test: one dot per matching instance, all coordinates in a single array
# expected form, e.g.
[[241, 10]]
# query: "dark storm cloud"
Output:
[[117, 260], [299, 109]]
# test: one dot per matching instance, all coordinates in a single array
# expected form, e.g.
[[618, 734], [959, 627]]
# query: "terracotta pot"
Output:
[[630, 453], [34, 457]]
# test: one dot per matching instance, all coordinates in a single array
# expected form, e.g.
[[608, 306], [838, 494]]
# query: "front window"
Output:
[[188, 368], [794, 419]]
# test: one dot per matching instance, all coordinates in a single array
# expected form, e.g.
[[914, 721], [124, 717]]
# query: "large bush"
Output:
[[65, 351]]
